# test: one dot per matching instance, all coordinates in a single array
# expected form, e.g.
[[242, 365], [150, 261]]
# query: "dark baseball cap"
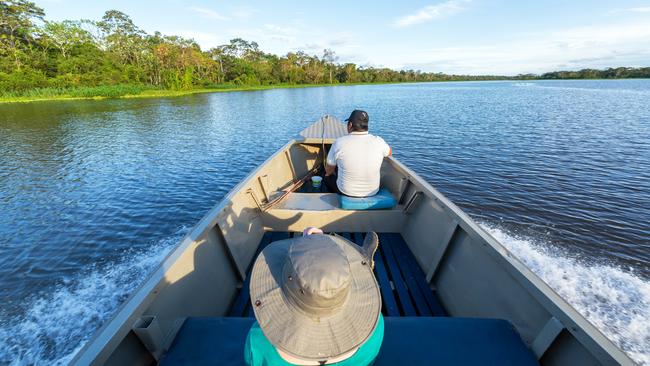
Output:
[[358, 116]]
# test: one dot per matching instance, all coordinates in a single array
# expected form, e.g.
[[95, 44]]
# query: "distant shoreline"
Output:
[[163, 93]]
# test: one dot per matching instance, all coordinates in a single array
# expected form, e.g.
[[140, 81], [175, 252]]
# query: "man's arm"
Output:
[[329, 169], [387, 150], [330, 164]]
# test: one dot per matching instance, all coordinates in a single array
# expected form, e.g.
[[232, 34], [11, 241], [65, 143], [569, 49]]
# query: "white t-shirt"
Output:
[[358, 156]]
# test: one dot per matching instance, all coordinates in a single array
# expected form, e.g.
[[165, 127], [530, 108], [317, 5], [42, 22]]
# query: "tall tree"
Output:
[[122, 36], [65, 35], [17, 27], [241, 48], [217, 55], [330, 58]]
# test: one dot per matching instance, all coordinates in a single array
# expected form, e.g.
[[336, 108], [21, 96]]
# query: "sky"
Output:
[[476, 37]]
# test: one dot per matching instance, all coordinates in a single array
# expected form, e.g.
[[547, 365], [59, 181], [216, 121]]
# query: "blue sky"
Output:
[[452, 36]]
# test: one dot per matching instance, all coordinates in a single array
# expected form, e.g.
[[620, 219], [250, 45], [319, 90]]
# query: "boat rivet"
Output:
[[258, 303], [363, 263], [290, 278], [302, 291]]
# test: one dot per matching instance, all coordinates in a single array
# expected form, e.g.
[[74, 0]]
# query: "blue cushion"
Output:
[[382, 200], [452, 341], [413, 341]]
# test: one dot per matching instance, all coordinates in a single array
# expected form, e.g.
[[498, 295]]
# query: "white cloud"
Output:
[[640, 9], [244, 12], [341, 39], [273, 32], [431, 12], [281, 29], [205, 39], [280, 39], [267, 36], [343, 44], [573, 48], [604, 34], [208, 13]]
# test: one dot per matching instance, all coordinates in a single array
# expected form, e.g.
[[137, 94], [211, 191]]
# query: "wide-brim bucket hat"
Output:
[[315, 297]]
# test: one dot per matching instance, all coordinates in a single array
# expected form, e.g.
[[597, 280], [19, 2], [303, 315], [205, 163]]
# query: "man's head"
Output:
[[358, 121], [315, 296]]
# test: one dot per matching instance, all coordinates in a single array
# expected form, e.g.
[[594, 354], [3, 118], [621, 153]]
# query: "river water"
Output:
[[94, 194]]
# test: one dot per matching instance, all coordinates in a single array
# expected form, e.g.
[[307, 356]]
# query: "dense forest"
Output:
[[611, 73], [115, 56]]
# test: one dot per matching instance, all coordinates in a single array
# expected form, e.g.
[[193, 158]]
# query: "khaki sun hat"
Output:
[[315, 297]]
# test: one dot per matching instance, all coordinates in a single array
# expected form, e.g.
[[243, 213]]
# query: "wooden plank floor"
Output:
[[403, 285]]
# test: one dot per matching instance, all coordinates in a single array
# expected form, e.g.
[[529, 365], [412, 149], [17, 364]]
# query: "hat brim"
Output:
[[300, 335]]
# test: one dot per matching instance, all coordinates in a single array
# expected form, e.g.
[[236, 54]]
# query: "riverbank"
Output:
[[129, 91], [136, 91]]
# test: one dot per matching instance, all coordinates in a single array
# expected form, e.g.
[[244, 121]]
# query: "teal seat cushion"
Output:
[[382, 200]]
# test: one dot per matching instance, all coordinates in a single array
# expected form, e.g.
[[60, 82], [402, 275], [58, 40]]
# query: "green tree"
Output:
[[17, 28], [329, 58], [35, 53], [348, 73], [122, 36], [240, 48], [65, 35]]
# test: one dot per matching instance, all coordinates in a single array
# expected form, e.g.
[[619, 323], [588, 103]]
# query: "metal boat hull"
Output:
[[472, 273]]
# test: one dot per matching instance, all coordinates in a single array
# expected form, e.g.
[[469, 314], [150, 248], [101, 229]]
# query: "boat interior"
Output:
[[409, 306], [451, 294]]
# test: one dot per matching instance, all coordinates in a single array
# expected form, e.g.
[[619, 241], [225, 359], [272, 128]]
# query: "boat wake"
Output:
[[523, 84], [616, 301], [57, 325]]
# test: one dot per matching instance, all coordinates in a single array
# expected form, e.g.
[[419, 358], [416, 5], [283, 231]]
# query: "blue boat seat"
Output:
[[407, 341], [382, 200]]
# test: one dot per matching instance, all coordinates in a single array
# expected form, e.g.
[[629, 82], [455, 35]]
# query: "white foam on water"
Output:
[[616, 301], [524, 84], [57, 325]]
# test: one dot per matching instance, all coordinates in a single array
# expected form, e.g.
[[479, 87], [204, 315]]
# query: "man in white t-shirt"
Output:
[[358, 157]]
